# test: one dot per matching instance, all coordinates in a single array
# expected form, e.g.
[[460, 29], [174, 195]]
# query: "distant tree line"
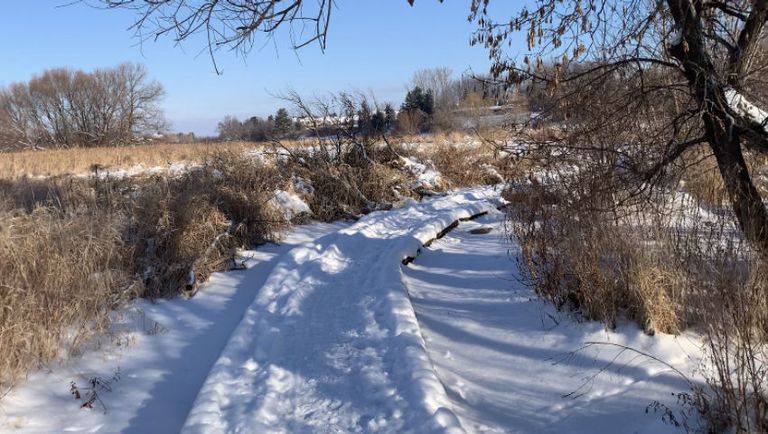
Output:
[[255, 128], [435, 97], [430, 103], [371, 122], [67, 108], [360, 117]]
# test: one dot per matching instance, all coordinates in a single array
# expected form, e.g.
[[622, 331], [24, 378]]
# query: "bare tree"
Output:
[[230, 128], [706, 53], [439, 81], [65, 108], [677, 73], [230, 24], [139, 102]]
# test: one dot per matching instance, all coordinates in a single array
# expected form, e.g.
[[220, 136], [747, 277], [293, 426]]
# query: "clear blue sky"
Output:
[[373, 45]]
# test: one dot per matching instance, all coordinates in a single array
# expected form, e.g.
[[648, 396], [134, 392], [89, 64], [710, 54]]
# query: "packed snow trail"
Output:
[[319, 335], [507, 360], [331, 343], [162, 350]]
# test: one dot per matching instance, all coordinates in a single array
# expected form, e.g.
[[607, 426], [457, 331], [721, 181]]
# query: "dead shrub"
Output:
[[337, 193], [172, 230], [343, 191], [186, 228], [345, 184], [657, 292], [383, 184], [241, 188], [464, 166], [595, 262]]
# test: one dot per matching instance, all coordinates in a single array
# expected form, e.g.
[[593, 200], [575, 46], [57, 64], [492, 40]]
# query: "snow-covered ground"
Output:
[[161, 351], [425, 175], [331, 343], [506, 358], [330, 332]]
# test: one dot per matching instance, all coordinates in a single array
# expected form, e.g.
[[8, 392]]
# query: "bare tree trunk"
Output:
[[745, 199], [721, 131]]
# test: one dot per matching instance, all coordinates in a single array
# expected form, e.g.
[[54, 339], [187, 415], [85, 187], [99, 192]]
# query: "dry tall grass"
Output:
[[594, 262], [81, 161], [664, 271], [464, 166], [60, 274], [76, 161], [72, 248], [703, 180]]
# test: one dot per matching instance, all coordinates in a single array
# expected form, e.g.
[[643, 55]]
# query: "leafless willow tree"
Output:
[[440, 82], [65, 108]]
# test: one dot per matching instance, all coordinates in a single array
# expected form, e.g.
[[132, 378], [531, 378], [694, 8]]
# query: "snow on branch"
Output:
[[741, 106]]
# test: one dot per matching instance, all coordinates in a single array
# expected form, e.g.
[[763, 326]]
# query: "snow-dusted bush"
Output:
[[187, 227]]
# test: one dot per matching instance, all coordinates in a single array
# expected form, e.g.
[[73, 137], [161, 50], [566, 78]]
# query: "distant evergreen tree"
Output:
[[413, 100], [427, 104], [389, 116], [422, 104], [378, 122], [364, 119], [283, 122], [418, 99]]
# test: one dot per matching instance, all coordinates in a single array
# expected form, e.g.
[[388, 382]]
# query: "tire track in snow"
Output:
[[331, 343]]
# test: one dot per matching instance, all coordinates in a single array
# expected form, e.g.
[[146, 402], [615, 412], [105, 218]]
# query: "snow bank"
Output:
[[425, 175], [290, 204]]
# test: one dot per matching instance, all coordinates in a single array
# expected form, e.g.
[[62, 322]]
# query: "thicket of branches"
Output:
[[644, 99], [66, 108], [646, 83]]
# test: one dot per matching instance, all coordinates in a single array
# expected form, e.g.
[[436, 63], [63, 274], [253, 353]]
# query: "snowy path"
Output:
[[319, 335], [503, 354], [163, 352], [331, 343]]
